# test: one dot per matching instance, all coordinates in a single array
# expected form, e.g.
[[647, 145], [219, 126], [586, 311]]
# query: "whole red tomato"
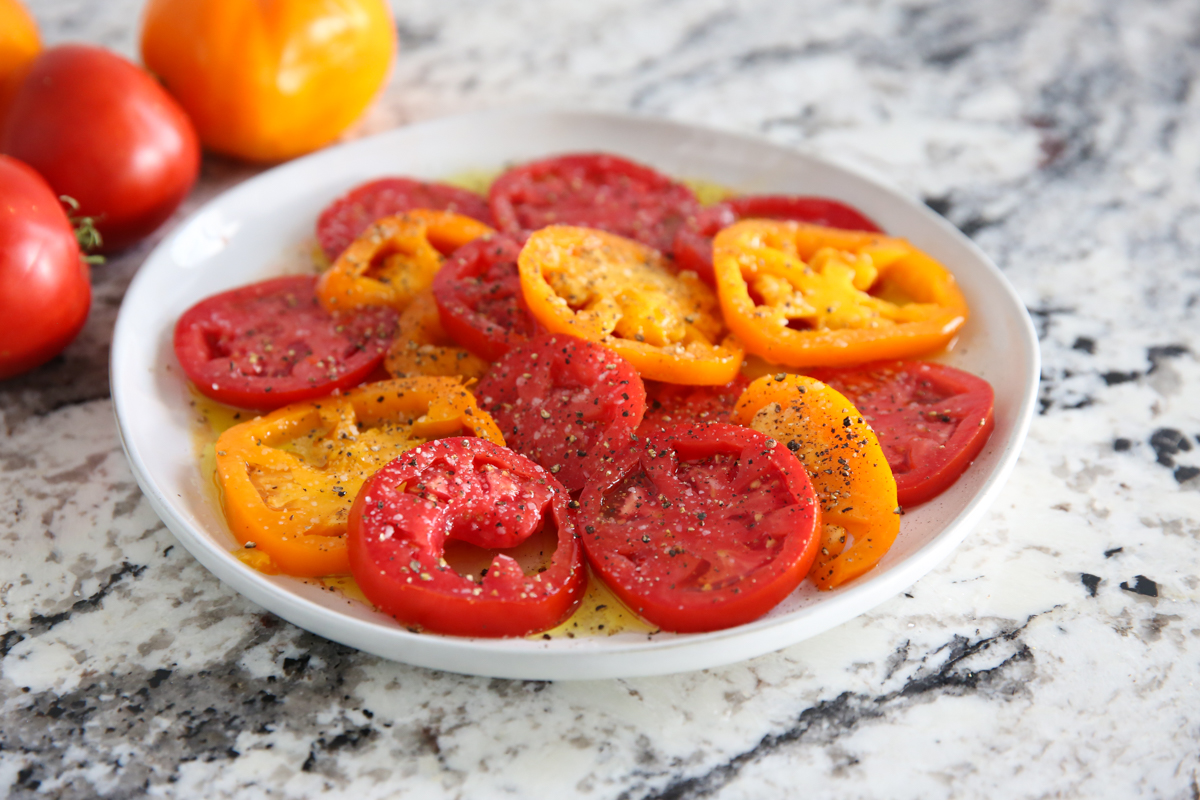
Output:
[[102, 130], [45, 291]]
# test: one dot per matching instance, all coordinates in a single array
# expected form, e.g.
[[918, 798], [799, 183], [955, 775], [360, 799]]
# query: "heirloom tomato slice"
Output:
[[671, 403], [395, 259], [615, 291], [478, 293], [288, 479], [415, 518], [271, 343], [931, 419], [805, 296], [422, 347], [566, 403], [593, 190], [844, 461], [700, 527], [693, 245], [345, 219]]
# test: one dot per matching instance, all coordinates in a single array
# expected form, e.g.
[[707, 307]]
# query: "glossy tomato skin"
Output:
[[564, 402], [473, 491], [101, 130], [268, 81], [932, 419], [701, 527], [692, 247], [343, 220], [593, 190], [271, 343], [45, 291], [478, 294]]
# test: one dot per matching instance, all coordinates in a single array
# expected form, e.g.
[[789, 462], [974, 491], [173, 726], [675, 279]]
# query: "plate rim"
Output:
[[619, 659]]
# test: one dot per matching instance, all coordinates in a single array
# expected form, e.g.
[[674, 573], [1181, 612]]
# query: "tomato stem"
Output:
[[86, 235]]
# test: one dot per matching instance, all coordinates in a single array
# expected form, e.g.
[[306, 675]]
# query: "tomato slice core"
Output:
[[345, 219], [473, 491], [701, 527], [271, 343], [566, 403], [931, 419], [593, 190]]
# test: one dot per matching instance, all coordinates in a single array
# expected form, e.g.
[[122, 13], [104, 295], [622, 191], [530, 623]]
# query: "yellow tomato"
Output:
[[267, 80], [19, 43]]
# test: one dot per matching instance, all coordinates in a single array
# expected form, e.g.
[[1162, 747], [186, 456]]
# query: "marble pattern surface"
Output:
[[1056, 654]]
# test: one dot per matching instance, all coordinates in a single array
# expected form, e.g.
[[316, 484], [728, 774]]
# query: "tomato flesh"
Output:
[[469, 490], [701, 527], [478, 293], [674, 403], [271, 343], [566, 403], [931, 419], [593, 190], [343, 220], [692, 247]]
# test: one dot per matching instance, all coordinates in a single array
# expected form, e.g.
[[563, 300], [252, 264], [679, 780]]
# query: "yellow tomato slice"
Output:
[[288, 478], [395, 259], [845, 462], [805, 295], [608, 289]]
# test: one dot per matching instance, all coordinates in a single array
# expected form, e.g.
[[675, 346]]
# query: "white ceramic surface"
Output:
[[263, 228]]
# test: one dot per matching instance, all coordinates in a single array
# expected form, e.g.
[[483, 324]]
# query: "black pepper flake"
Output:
[[1142, 585], [1113, 552], [1090, 582]]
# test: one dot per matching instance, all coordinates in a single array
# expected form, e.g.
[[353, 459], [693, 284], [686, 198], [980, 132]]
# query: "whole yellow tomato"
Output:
[[266, 80], [19, 44]]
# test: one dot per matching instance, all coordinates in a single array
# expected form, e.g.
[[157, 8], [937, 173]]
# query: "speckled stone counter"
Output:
[[1056, 654]]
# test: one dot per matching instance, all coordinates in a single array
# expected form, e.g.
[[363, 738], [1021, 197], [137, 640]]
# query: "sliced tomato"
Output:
[[701, 527], [567, 403], [476, 494], [478, 293], [931, 419], [271, 343], [346, 218], [593, 190], [672, 403], [422, 346], [693, 246]]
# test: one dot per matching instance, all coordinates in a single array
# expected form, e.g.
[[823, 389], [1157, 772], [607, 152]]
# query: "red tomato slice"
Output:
[[931, 419], [701, 527], [345, 218], [475, 494], [693, 245], [593, 191], [269, 344], [564, 402], [674, 403], [478, 294]]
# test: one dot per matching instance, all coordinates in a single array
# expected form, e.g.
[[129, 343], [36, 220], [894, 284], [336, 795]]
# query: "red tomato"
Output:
[[345, 218], [932, 420], [593, 191], [693, 245], [45, 292], [271, 343], [478, 294], [102, 131], [564, 402], [701, 526], [463, 494], [672, 403]]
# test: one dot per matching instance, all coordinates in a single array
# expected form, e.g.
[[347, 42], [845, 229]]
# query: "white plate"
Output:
[[263, 227]]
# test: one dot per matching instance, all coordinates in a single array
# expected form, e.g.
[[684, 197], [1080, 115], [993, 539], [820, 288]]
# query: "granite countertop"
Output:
[[1056, 654]]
